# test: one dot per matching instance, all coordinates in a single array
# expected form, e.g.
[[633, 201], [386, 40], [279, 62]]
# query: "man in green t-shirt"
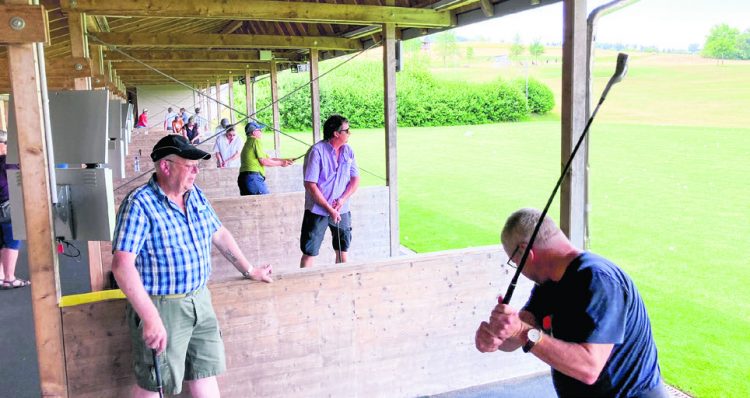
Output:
[[252, 178]]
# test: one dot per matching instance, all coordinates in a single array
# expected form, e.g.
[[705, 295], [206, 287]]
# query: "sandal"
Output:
[[15, 284]]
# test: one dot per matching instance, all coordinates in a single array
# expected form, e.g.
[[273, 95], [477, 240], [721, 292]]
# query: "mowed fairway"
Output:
[[669, 194]]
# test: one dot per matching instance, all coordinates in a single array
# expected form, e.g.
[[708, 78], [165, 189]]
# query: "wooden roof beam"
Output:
[[197, 55], [348, 14], [23, 24], [231, 27], [179, 40], [191, 65]]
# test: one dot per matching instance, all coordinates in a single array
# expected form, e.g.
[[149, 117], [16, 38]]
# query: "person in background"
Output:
[[331, 178], [222, 127], [584, 318], [142, 120], [161, 260], [227, 149], [177, 126], [192, 132], [252, 178], [201, 121], [168, 120], [184, 115], [8, 246]]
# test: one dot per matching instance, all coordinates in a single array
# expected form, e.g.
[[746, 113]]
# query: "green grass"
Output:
[[669, 170]]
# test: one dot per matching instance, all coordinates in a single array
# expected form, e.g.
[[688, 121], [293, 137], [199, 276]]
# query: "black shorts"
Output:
[[314, 229]]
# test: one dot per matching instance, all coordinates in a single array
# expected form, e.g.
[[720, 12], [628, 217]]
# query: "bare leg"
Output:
[[204, 388], [8, 258], [340, 256], [306, 261], [138, 392]]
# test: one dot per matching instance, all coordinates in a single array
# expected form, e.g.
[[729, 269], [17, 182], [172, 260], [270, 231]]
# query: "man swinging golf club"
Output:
[[584, 318], [162, 261]]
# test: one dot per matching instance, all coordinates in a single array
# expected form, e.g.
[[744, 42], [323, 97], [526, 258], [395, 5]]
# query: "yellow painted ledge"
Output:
[[93, 297]]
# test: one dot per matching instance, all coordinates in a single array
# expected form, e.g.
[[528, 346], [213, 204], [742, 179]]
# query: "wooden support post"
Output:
[[391, 123], [79, 48], [206, 102], [78, 44], [249, 94], [43, 267], [315, 94], [97, 60], [97, 67], [3, 115], [204, 105], [276, 114], [230, 88], [196, 98], [218, 99], [574, 83]]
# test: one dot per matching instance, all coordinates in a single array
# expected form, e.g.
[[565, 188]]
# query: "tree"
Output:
[[743, 45], [412, 50], [536, 49], [516, 49], [721, 43], [447, 47]]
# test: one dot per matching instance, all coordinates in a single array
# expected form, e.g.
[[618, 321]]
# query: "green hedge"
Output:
[[355, 91], [541, 99]]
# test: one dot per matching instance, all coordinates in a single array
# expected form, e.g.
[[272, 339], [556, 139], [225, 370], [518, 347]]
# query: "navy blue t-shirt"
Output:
[[596, 302]]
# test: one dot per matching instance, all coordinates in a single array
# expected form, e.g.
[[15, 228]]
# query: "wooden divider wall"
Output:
[[267, 228], [400, 327], [222, 183]]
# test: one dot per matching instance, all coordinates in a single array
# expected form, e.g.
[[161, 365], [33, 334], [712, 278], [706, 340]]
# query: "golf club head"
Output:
[[622, 68], [620, 71]]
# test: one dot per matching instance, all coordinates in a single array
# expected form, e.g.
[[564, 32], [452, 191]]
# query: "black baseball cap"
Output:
[[178, 145]]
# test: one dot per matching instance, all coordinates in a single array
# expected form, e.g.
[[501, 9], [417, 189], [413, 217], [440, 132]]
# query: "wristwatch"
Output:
[[533, 337], [246, 274]]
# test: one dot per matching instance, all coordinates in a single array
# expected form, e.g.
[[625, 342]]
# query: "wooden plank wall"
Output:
[[400, 327], [222, 183], [267, 229], [216, 183]]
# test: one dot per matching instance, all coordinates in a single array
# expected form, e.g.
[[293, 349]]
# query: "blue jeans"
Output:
[[252, 183]]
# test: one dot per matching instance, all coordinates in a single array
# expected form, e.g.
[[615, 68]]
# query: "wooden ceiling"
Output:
[[202, 41]]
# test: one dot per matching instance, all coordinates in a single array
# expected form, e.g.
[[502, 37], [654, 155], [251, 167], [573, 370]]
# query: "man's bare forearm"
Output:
[[317, 195], [228, 247], [123, 269], [350, 188], [581, 361]]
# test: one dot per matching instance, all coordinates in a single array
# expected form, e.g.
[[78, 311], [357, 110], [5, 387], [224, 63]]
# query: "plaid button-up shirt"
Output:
[[173, 248]]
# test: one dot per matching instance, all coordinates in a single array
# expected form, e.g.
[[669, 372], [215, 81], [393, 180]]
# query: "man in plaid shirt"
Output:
[[162, 262]]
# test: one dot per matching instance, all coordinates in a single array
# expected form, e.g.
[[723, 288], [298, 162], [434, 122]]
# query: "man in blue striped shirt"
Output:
[[162, 262]]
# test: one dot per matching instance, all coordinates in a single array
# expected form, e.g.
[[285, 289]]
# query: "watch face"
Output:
[[535, 335]]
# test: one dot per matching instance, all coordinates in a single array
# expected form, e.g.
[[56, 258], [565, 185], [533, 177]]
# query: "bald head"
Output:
[[520, 225]]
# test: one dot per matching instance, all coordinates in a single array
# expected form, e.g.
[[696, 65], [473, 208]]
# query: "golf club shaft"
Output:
[[158, 374], [619, 73]]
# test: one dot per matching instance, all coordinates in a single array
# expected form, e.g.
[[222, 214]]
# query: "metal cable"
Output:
[[246, 117]]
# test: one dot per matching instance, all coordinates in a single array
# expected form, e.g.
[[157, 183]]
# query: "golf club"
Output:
[[620, 71], [159, 385]]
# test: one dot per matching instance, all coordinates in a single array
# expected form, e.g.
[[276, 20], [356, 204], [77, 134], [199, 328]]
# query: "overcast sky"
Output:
[[663, 23]]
